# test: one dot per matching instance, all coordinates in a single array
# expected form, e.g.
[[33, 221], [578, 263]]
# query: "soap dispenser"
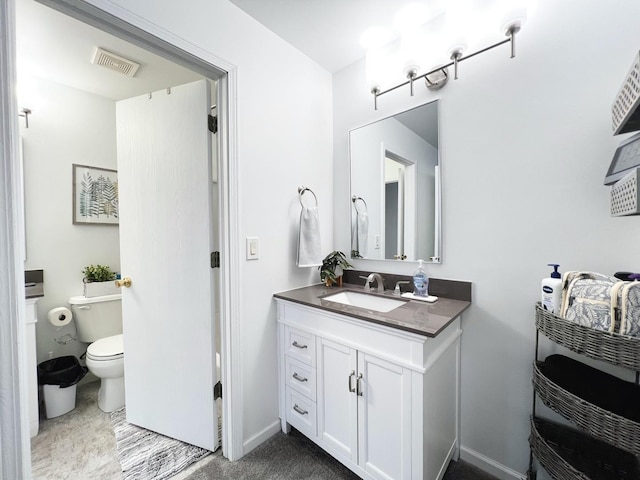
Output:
[[552, 290], [420, 281]]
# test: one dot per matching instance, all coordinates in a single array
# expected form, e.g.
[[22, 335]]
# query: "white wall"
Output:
[[525, 146], [67, 126], [284, 131]]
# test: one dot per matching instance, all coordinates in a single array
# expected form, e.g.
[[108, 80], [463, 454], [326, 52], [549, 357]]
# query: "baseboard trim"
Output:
[[260, 437], [489, 465]]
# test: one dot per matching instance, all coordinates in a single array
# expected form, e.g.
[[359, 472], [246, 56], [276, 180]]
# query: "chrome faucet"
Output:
[[374, 277]]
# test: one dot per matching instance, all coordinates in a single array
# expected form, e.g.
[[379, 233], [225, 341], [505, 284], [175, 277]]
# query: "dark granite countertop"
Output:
[[415, 316]]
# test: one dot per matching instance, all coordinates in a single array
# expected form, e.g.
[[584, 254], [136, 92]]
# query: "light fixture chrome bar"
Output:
[[375, 91], [411, 75], [511, 34], [25, 112], [455, 56]]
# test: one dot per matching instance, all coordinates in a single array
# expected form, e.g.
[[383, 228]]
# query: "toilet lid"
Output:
[[106, 348]]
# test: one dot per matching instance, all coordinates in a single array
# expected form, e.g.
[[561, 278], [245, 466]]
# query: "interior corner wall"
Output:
[[526, 143], [284, 140], [67, 126]]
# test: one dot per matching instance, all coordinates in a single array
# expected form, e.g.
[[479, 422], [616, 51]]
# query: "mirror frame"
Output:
[[437, 257]]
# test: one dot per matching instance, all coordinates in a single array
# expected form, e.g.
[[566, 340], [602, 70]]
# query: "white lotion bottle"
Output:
[[552, 290]]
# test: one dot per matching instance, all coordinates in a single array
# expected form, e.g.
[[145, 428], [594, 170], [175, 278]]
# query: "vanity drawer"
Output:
[[301, 413], [301, 377], [300, 345]]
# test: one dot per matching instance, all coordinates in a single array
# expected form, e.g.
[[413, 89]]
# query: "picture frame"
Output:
[[95, 196]]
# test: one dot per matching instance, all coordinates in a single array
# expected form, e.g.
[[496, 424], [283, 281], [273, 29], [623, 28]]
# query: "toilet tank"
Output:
[[97, 317]]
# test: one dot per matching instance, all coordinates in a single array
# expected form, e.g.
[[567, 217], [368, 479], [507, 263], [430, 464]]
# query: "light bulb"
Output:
[[512, 13], [462, 25], [412, 45], [375, 71]]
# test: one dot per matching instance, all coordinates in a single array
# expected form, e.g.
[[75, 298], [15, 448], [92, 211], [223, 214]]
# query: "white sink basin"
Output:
[[366, 301]]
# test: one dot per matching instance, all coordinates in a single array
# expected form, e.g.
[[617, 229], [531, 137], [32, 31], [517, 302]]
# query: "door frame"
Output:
[[134, 29]]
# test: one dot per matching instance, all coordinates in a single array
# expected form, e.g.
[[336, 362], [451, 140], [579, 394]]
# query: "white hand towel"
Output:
[[362, 233], [309, 251]]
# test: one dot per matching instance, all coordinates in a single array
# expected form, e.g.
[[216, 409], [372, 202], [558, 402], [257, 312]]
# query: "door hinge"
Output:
[[213, 124], [215, 259], [217, 391]]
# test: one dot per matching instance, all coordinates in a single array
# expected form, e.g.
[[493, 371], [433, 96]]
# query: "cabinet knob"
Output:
[[297, 345], [351, 375]]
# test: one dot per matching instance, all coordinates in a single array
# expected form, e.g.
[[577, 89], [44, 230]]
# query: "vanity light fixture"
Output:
[[437, 77]]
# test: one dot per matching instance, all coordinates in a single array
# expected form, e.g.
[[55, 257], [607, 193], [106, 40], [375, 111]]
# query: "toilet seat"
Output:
[[108, 348]]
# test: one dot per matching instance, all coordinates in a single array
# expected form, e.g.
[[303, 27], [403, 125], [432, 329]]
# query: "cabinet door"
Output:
[[384, 422], [337, 401]]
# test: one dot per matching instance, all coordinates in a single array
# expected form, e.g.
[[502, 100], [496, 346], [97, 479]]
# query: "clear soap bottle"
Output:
[[420, 281]]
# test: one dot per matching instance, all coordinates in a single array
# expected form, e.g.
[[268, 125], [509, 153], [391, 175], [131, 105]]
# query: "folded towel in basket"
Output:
[[309, 250]]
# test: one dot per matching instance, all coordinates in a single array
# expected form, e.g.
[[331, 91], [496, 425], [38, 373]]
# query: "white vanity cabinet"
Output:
[[30, 366], [383, 401]]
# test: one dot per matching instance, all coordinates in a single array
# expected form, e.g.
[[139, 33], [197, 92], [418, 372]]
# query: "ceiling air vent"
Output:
[[114, 62]]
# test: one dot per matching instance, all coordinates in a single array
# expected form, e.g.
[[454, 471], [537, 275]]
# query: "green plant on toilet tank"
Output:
[[98, 280], [332, 268], [98, 273]]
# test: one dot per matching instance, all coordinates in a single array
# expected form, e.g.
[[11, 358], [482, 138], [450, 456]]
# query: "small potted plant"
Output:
[[332, 267], [99, 280]]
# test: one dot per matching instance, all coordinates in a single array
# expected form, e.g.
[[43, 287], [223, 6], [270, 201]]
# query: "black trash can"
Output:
[[58, 378]]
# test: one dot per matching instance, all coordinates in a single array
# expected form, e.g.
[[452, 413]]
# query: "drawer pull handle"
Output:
[[297, 345], [359, 386], [298, 377], [351, 375], [299, 410]]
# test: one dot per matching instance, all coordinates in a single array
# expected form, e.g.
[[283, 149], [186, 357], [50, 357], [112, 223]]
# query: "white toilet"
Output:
[[99, 322]]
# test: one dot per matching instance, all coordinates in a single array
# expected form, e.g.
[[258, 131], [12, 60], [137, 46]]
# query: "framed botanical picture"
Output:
[[95, 196]]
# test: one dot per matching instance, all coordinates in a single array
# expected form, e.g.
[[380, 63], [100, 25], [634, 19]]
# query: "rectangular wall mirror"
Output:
[[395, 187]]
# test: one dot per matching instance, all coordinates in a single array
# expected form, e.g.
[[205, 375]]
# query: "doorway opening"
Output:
[[85, 15], [399, 190]]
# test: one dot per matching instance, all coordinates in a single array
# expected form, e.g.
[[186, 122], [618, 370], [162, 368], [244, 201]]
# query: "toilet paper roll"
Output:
[[60, 316]]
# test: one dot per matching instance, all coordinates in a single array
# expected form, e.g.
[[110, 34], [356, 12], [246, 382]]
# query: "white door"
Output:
[[337, 402], [384, 419], [164, 172]]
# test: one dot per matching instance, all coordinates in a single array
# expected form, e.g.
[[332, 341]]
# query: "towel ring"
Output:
[[354, 199], [301, 191]]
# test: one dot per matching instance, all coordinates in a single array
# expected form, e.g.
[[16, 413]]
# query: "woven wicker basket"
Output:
[[546, 454], [613, 348], [614, 429], [555, 446]]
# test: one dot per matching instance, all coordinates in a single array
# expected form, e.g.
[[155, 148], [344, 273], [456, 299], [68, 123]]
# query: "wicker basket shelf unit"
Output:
[[607, 446]]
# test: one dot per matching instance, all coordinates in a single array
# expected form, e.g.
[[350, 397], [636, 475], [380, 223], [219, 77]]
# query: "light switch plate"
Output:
[[253, 248]]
